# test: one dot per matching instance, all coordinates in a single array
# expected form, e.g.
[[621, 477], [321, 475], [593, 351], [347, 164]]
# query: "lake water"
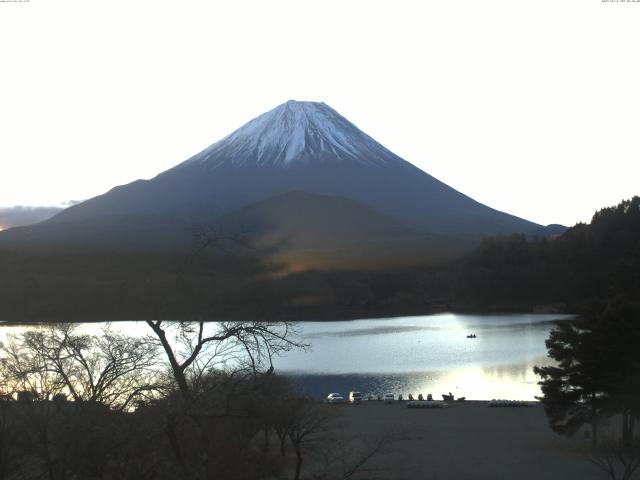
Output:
[[422, 354], [425, 354]]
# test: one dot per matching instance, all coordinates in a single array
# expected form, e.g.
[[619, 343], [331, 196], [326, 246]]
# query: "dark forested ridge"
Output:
[[512, 273], [600, 259]]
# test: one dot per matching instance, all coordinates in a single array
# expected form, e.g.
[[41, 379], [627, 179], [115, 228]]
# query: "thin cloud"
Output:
[[20, 215]]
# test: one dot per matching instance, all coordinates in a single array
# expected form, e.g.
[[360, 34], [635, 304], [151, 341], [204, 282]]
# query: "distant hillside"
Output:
[[109, 233], [303, 226]]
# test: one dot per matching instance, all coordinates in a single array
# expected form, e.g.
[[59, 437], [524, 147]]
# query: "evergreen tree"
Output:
[[572, 391], [617, 326], [598, 369]]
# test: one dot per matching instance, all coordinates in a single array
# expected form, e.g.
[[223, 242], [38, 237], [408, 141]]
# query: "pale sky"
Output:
[[531, 107]]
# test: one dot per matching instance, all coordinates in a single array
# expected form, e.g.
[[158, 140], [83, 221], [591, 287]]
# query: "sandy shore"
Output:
[[468, 440]]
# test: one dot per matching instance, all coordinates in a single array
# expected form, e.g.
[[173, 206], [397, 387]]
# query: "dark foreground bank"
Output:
[[467, 440]]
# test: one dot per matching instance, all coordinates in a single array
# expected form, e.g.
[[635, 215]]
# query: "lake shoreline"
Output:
[[308, 314]]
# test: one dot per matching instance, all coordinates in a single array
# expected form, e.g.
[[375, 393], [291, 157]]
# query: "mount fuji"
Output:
[[248, 177]]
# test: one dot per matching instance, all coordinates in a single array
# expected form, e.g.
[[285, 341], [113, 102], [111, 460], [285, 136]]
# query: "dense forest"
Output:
[[600, 259], [509, 273]]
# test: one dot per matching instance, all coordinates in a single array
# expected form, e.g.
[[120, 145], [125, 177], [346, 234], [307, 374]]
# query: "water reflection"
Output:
[[430, 354], [514, 381], [387, 330]]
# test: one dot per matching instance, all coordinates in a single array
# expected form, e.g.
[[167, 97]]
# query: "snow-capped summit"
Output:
[[295, 132]]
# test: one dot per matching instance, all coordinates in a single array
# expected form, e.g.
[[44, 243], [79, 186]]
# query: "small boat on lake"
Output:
[[472, 335]]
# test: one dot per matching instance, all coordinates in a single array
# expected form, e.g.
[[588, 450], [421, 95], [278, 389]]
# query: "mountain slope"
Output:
[[299, 224], [303, 146], [298, 146], [107, 233], [317, 218]]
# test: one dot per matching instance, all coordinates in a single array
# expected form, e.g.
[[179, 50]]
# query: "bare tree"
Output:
[[309, 422], [111, 369], [207, 237], [344, 455], [192, 352], [282, 422], [104, 375], [25, 369], [618, 459], [208, 362]]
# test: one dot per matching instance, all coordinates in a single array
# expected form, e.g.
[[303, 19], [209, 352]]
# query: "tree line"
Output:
[[596, 260]]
